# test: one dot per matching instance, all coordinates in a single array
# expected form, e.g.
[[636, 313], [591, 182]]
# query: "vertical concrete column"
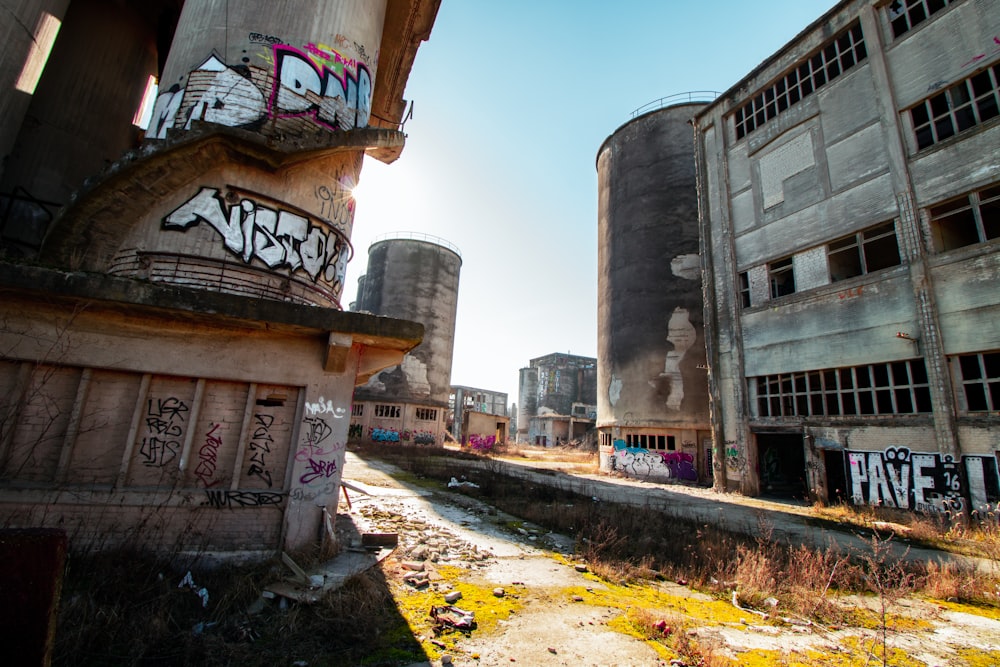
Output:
[[318, 458], [931, 344]]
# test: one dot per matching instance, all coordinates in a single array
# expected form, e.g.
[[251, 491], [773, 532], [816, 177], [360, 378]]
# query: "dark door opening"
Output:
[[836, 476], [782, 462]]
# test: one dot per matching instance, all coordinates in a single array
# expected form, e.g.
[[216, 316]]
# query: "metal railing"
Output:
[[418, 236], [680, 98]]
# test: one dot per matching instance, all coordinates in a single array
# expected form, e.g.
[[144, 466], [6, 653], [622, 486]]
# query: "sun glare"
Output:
[[38, 53]]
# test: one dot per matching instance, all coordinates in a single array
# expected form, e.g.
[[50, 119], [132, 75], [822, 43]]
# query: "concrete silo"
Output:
[[412, 277], [653, 416]]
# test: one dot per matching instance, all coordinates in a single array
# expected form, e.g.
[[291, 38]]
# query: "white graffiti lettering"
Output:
[[277, 238]]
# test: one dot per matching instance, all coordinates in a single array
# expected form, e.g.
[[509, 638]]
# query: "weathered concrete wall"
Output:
[[837, 162], [283, 70], [157, 427], [651, 350], [79, 119]]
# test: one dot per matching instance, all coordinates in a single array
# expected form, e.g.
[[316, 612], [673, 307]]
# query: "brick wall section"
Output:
[[811, 268], [157, 504]]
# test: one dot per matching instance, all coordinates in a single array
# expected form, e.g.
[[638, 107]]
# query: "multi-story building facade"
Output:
[[850, 223], [472, 399], [175, 370], [557, 399]]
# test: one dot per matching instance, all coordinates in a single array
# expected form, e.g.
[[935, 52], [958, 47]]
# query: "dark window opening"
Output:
[[877, 389], [781, 277], [905, 15], [967, 220], [980, 381]]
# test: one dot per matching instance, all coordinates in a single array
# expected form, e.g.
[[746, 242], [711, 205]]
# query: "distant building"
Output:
[[850, 226], [472, 399], [557, 399], [410, 276]]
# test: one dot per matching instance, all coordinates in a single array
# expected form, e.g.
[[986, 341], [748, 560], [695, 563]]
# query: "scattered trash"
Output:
[[201, 627], [188, 582], [453, 617], [454, 483], [662, 626]]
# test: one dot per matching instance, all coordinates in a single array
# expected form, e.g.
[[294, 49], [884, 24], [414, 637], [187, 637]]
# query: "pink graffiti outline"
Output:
[[277, 51]]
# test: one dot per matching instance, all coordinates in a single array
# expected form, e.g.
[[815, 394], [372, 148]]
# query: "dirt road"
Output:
[[534, 606]]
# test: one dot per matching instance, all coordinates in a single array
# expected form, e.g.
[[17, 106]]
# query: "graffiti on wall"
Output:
[[317, 450], [164, 431], [317, 83], [227, 498], [424, 438], [482, 443], [260, 447], [278, 238], [208, 457], [355, 431], [641, 462], [379, 434], [924, 482]]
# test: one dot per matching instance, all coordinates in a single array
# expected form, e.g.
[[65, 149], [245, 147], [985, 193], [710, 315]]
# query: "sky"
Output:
[[511, 101]]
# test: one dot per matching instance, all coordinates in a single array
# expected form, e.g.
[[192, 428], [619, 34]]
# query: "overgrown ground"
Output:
[[127, 609]]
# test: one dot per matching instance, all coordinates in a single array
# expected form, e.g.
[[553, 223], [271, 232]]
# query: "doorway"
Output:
[[836, 476], [781, 461]]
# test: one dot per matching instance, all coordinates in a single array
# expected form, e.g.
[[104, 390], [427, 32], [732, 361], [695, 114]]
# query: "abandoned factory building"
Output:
[[176, 371], [849, 193], [557, 399], [478, 417]]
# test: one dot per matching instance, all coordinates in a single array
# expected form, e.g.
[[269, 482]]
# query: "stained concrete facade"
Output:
[[414, 277], [850, 215], [652, 400], [176, 372], [557, 399]]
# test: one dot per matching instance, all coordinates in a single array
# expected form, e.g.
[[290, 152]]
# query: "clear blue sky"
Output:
[[512, 100]]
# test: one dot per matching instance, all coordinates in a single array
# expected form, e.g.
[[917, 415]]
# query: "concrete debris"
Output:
[[499, 592], [453, 617], [453, 597], [580, 567], [454, 484]]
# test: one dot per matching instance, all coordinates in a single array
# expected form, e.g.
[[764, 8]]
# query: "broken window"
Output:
[[744, 290], [357, 409], [980, 375], [781, 277], [426, 414], [387, 411], [864, 252], [833, 59], [966, 104], [969, 219], [905, 15], [899, 387]]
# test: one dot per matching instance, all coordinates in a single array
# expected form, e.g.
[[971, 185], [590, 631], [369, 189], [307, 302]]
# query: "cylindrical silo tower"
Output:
[[412, 277], [652, 381]]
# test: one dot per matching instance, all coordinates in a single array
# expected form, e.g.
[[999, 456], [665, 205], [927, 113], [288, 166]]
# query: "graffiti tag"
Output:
[[275, 237]]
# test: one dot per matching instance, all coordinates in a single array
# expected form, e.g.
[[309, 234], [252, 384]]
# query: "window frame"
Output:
[[387, 411], [835, 57], [779, 268], [862, 243], [946, 114], [973, 203], [869, 390], [903, 22], [986, 384]]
